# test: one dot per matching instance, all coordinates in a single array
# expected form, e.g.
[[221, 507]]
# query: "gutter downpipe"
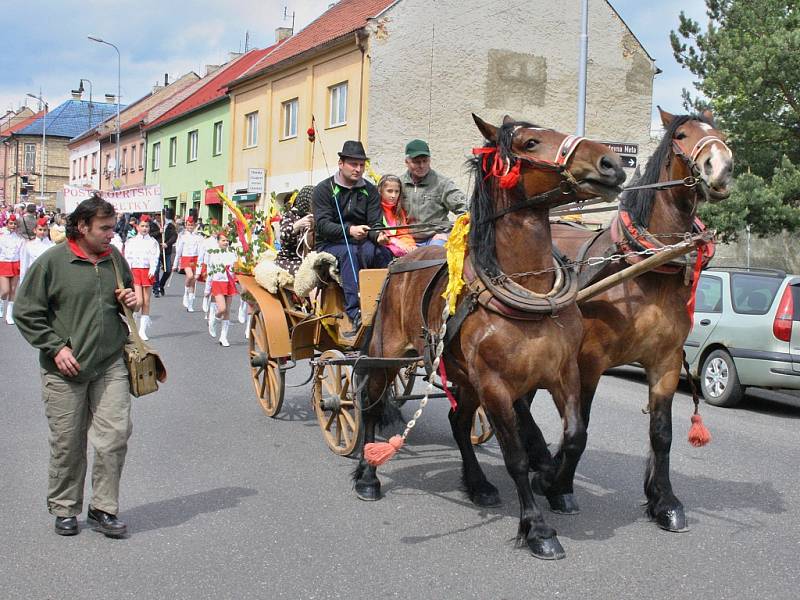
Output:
[[584, 53], [361, 37]]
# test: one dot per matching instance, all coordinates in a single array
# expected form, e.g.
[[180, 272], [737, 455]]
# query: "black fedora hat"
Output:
[[353, 149]]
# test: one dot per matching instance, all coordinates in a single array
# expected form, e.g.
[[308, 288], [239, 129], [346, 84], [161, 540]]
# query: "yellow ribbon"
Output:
[[456, 247]]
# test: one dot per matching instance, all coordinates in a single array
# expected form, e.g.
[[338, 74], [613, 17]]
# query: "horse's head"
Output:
[[702, 152], [540, 159]]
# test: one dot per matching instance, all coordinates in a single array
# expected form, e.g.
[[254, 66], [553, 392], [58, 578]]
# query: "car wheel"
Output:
[[719, 380]]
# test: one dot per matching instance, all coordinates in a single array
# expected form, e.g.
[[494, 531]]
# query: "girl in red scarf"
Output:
[[400, 240]]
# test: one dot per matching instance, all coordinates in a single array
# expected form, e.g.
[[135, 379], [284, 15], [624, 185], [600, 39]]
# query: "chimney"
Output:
[[282, 33], [211, 69], [166, 79], [111, 99], [76, 94]]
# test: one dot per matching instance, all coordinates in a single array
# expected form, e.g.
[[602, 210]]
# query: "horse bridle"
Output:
[[501, 168], [689, 159]]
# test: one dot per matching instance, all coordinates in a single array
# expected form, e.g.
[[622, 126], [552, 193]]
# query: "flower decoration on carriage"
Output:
[[370, 172]]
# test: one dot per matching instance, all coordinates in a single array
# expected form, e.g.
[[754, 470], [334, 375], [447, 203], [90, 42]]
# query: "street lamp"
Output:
[[79, 92], [119, 70], [42, 188]]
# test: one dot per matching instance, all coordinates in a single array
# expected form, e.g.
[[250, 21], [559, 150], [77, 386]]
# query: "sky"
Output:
[[47, 52]]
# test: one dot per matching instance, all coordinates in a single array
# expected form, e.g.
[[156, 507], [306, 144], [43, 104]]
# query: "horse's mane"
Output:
[[482, 205], [639, 203]]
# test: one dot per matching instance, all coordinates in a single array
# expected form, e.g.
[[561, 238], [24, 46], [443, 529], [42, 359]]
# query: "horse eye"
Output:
[[530, 144], [680, 136]]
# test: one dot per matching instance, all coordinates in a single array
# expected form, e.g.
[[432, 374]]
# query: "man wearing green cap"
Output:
[[428, 197]]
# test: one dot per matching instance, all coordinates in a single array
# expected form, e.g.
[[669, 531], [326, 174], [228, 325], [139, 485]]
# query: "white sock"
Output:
[[190, 302], [2, 307], [242, 311], [10, 313], [212, 324]]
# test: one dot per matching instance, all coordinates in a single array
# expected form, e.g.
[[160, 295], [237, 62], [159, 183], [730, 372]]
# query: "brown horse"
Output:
[[645, 320], [500, 353]]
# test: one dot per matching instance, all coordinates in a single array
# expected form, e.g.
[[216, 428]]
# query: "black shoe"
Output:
[[156, 293], [106, 523], [66, 526]]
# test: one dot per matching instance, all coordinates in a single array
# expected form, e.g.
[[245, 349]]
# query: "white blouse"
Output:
[[141, 252], [11, 247], [220, 264], [30, 252], [188, 245]]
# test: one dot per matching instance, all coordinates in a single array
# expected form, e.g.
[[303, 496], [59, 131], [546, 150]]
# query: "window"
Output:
[[124, 165], [29, 162], [192, 146], [85, 164], [251, 130], [753, 294], [141, 156], [338, 95], [173, 151], [290, 119], [217, 150], [156, 156], [133, 157], [74, 169], [94, 163], [709, 295], [108, 163]]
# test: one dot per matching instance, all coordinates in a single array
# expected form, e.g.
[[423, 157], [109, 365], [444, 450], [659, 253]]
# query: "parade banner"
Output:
[[145, 199]]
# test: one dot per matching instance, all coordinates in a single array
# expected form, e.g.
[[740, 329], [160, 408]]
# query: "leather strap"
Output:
[[415, 265]]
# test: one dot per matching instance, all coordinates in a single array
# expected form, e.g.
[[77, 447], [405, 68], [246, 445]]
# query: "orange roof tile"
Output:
[[342, 18], [213, 86], [21, 125]]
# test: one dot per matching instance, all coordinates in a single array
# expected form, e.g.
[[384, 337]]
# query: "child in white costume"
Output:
[[142, 252], [11, 244], [34, 248], [220, 263], [186, 251]]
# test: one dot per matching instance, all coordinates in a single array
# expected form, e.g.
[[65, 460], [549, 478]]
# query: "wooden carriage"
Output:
[[285, 329]]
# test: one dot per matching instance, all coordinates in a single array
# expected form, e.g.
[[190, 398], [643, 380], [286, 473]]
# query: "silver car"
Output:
[[746, 333]]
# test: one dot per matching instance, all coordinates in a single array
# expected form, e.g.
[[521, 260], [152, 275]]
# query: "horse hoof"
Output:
[[546, 548], [564, 504], [488, 496], [673, 520], [369, 492]]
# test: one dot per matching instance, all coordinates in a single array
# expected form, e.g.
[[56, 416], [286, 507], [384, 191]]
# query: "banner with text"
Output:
[[145, 199]]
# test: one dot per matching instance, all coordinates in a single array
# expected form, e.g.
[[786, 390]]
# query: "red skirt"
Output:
[[9, 269], [188, 262], [141, 277], [203, 273], [223, 288]]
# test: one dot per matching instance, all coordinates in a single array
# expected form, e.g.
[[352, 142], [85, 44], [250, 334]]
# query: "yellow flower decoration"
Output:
[[456, 247]]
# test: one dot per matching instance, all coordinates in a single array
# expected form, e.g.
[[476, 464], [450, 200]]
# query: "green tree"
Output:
[[767, 207], [747, 64]]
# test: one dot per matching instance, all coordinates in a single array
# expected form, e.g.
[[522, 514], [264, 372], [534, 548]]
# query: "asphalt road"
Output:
[[223, 502]]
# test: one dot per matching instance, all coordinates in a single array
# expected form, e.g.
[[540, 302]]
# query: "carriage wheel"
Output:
[[404, 383], [268, 379], [334, 403], [481, 428]]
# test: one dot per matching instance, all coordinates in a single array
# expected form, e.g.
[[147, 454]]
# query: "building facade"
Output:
[[189, 144], [386, 72], [9, 151]]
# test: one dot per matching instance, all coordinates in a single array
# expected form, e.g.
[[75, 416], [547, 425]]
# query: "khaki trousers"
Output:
[[100, 411]]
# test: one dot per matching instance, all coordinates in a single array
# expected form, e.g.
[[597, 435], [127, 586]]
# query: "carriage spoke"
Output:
[[329, 424], [348, 418]]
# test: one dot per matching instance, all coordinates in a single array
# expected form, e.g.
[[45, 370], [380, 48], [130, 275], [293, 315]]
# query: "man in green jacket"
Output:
[[428, 197], [68, 307]]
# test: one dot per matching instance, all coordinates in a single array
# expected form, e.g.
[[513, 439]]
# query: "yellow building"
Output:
[[320, 74]]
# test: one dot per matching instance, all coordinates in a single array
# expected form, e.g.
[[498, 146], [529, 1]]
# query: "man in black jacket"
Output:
[[168, 238], [345, 208]]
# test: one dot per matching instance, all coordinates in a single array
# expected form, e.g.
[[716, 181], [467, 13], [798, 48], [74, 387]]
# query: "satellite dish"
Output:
[[111, 165]]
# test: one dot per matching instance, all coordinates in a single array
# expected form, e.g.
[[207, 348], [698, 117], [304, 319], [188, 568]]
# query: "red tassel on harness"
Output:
[[378, 453], [510, 179], [698, 434]]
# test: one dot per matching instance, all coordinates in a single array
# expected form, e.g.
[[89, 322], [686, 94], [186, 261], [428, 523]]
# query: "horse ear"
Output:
[[507, 119], [489, 131], [708, 115], [666, 118]]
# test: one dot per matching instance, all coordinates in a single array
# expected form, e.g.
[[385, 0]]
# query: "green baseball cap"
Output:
[[416, 148]]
